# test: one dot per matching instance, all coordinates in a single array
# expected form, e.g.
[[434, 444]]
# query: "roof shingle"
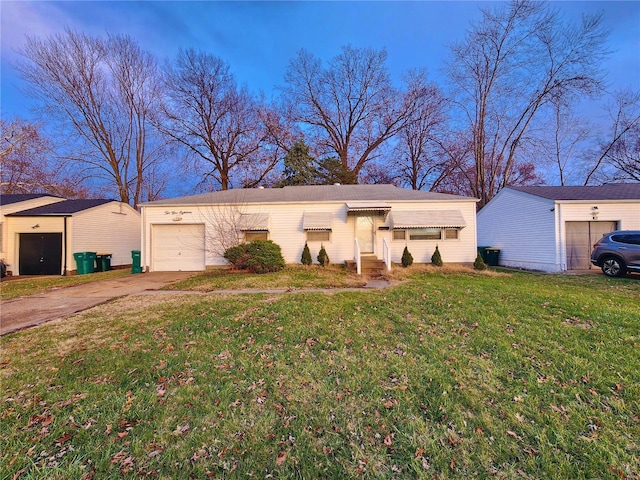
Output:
[[68, 207], [612, 191]]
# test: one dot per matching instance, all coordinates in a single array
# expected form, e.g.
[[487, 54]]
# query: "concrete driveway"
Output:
[[30, 311]]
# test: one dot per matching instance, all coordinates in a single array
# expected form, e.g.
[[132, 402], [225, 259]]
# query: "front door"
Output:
[[365, 233], [40, 254]]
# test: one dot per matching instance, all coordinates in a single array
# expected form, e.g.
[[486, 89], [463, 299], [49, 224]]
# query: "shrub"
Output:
[[407, 258], [259, 256], [323, 258], [306, 255], [479, 263], [436, 259], [237, 256], [264, 256]]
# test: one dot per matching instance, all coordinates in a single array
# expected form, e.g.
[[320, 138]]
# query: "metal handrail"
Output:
[[357, 257]]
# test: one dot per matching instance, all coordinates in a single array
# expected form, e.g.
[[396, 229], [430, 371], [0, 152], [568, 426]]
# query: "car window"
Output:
[[630, 239]]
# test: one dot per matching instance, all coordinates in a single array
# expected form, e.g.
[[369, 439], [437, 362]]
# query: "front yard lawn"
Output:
[[448, 375]]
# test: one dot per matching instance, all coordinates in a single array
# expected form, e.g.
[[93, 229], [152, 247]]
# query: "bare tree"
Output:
[[419, 158], [350, 108], [509, 68], [618, 156], [105, 92], [233, 133], [27, 163]]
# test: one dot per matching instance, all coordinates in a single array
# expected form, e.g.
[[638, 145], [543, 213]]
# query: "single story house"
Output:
[[553, 229], [350, 221], [41, 240]]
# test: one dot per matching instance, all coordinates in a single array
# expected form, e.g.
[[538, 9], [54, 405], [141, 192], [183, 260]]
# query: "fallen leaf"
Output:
[[388, 440], [63, 439], [282, 456]]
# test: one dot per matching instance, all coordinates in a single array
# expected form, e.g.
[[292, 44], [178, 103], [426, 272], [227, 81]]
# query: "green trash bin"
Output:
[[85, 262], [103, 262], [493, 257], [135, 261]]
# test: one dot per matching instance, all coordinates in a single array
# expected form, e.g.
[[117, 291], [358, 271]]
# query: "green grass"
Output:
[[292, 276], [23, 287], [448, 375]]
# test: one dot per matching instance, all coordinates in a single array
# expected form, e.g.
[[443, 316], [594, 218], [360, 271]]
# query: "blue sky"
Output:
[[258, 39]]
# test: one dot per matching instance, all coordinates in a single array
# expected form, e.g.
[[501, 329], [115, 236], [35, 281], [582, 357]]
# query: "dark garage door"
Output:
[[580, 239], [40, 254]]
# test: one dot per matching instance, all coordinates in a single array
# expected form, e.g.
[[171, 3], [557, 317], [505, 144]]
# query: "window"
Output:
[[425, 234], [451, 234], [251, 236], [318, 235], [399, 234]]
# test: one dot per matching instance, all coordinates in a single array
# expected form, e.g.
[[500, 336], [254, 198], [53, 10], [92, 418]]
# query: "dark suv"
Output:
[[617, 253]]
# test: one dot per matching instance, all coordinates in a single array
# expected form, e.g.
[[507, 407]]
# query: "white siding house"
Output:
[[553, 229], [43, 239], [191, 233]]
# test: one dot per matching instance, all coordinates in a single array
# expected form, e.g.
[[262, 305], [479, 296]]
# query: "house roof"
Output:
[[309, 193], [612, 191], [61, 209], [7, 199]]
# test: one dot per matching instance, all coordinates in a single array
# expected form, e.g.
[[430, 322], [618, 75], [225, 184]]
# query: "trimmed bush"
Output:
[[407, 258], [436, 259], [306, 255], [479, 263], [259, 256], [323, 258], [264, 256], [237, 256]]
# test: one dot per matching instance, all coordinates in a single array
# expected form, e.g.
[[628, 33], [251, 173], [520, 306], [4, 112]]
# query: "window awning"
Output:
[[428, 219], [258, 222], [354, 207], [317, 220]]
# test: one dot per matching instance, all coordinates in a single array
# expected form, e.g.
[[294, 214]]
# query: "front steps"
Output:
[[371, 266]]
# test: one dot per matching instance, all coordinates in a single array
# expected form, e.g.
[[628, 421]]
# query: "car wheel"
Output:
[[613, 267]]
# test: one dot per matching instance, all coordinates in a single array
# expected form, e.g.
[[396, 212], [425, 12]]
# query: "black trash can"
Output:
[[493, 256], [103, 262], [136, 261]]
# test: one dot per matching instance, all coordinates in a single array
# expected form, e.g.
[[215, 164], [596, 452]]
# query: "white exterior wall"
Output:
[[286, 229], [18, 225], [522, 226], [13, 208], [110, 228]]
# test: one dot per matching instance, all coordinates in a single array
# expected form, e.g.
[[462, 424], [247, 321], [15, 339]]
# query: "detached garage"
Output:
[[553, 229], [42, 240]]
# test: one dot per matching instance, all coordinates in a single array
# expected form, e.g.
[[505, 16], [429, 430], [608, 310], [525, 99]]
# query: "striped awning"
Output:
[[317, 220], [428, 219], [258, 222], [354, 207]]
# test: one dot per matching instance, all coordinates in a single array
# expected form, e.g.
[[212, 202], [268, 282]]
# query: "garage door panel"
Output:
[[178, 248]]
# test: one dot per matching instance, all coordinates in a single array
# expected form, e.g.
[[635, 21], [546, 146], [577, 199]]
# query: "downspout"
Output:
[[64, 242]]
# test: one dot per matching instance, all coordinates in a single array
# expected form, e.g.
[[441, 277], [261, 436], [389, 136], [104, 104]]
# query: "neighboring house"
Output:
[[191, 233], [553, 229], [12, 203], [41, 239]]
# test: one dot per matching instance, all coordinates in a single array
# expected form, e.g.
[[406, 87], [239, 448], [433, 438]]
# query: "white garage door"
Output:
[[178, 248]]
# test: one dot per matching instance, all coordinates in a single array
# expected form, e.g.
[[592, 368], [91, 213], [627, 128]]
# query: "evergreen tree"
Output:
[[306, 255], [323, 258], [407, 258], [479, 263], [436, 259]]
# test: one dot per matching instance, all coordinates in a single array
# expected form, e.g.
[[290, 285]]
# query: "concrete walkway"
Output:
[[22, 313], [30, 311]]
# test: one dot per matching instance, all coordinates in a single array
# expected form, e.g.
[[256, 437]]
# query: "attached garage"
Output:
[[178, 248]]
